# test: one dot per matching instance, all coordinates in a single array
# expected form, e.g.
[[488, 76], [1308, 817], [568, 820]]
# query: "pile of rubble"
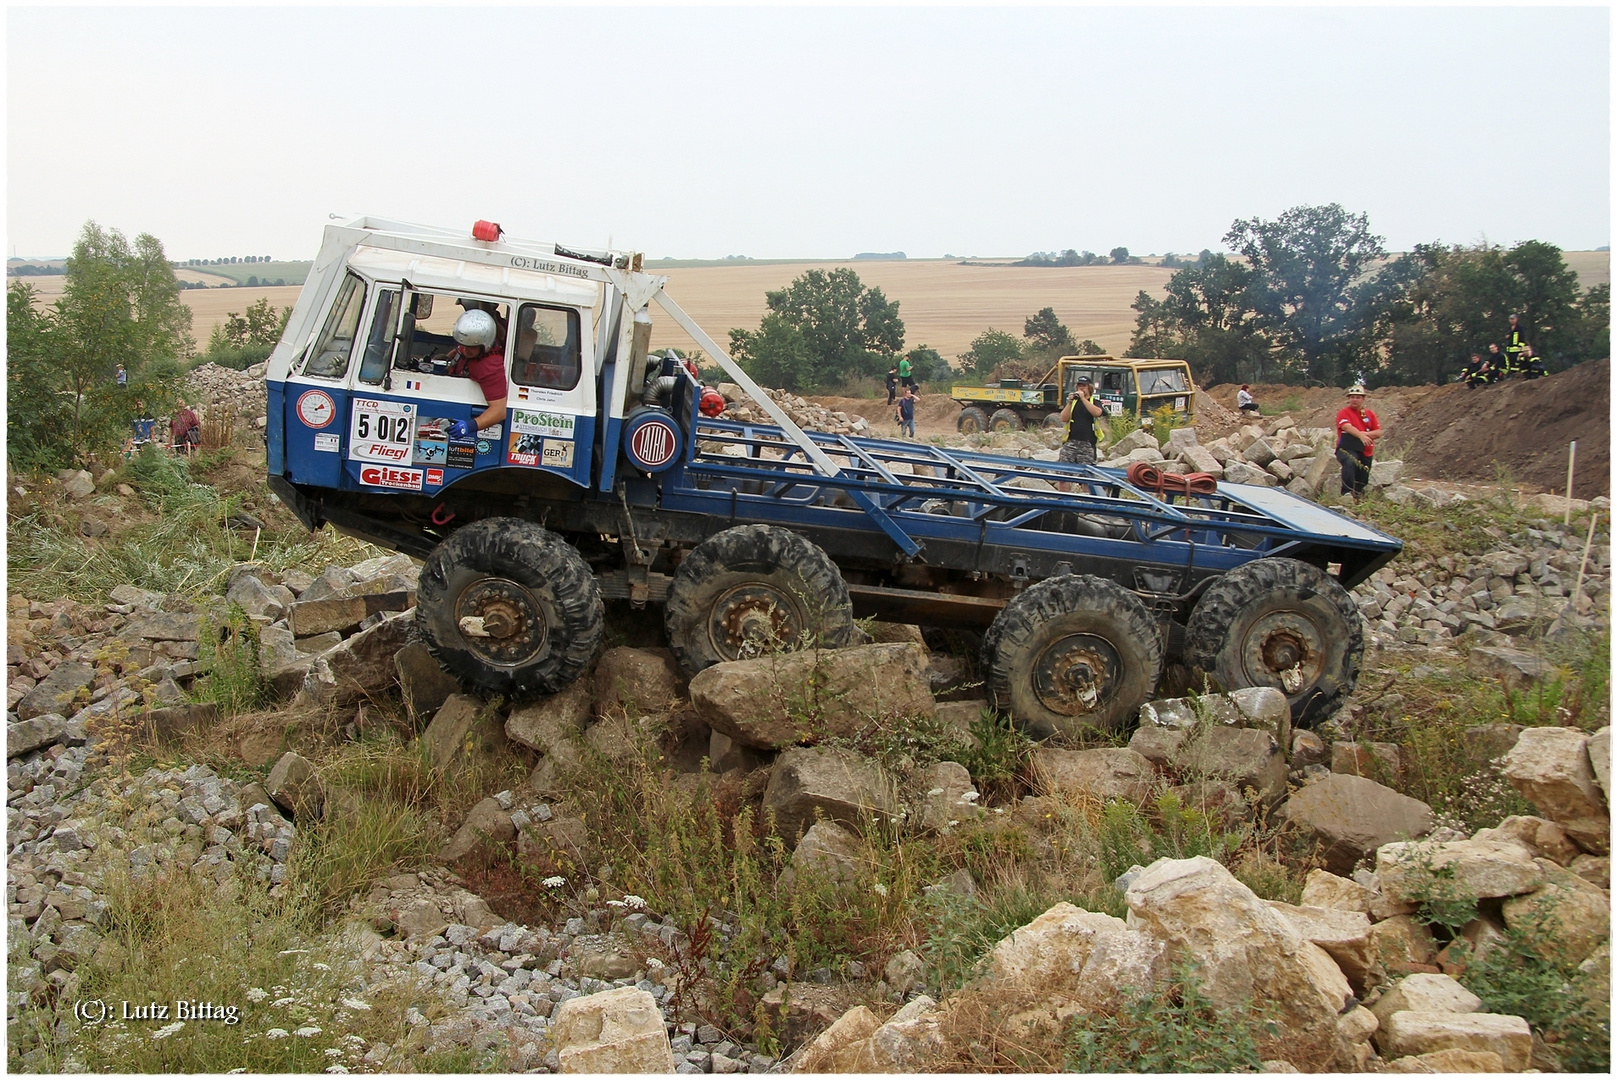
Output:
[[802, 412], [211, 387]]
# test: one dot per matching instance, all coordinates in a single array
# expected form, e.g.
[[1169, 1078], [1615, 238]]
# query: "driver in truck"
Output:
[[477, 355]]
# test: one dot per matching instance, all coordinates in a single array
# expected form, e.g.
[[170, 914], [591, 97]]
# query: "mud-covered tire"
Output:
[[1072, 654], [1005, 420], [751, 590], [971, 421], [540, 608], [1053, 421], [1280, 623]]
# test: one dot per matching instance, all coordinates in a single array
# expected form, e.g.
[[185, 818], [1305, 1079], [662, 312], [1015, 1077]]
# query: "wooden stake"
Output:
[[254, 556], [1577, 591], [1571, 456]]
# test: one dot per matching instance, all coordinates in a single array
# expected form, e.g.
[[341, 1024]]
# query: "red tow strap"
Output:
[[1143, 474]]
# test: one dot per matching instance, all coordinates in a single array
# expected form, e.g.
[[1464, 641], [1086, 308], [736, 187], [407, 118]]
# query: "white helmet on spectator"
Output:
[[476, 328]]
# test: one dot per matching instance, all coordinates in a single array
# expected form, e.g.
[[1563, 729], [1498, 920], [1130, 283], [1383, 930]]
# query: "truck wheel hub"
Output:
[[750, 620], [1073, 674], [512, 620], [1284, 648]]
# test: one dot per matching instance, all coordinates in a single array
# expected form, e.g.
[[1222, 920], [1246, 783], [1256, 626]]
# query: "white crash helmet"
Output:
[[476, 328]]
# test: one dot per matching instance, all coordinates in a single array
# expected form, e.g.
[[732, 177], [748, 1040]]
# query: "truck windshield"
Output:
[[1163, 381], [330, 356]]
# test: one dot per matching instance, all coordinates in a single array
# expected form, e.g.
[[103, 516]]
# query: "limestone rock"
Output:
[[643, 681], [486, 823], [1565, 918], [1345, 935], [614, 1031], [1448, 1061], [460, 733], [831, 850], [1513, 667], [842, 784], [1403, 945], [1551, 769], [1245, 952], [47, 729], [946, 795], [1352, 817], [293, 785], [1600, 760], [1469, 868], [1409, 1033], [1046, 956], [343, 613], [58, 692], [783, 699], [1545, 838], [1104, 773], [844, 1047], [423, 683], [1324, 889], [360, 667], [1121, 961], [1426, 993]]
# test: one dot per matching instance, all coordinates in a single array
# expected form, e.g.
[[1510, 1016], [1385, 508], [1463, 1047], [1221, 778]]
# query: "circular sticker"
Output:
[[653, 443], [482, 446], [316, 409]]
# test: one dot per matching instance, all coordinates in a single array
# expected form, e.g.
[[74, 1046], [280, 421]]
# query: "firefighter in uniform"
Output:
[[1515, 338]]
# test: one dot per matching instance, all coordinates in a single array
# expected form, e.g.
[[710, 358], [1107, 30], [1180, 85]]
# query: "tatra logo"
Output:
[[653, 444]]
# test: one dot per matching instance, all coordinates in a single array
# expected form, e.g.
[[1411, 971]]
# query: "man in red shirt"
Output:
[[479, 355], [1357, 430]]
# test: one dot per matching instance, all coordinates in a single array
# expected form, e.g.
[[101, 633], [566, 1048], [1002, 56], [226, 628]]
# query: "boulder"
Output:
[[613, 1031], [1345, 935], [1324, 889], [1265, 709], [786, 698], [1044, 958], [162, 626], [946, 796], [844, 1047], [359, 668], [1351, 817], [293, 785], [423, 683], [463, 732], [1385, 474], [1595, 869], [1545, 838], [830, 850], [1471, 869], [258, 599], [486, 823], [1600, 760], [1447, 1061], [1104, 773], [1409, 1033], [1550, 768], [1565, 918], [1512, 667], [552, 725], [1245, 952], [1379, 761], [343, 613], [135, 596], [59, 692], [1425, 993], [798, 1010], [843, 785], [645, 682], [333, 581], [1402, 944], [1120, 962], [911, 1041], [48, 729]]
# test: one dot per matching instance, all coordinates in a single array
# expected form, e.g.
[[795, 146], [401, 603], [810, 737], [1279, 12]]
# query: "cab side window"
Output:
[[546, 350], [335, 347], [379, 346], [1113, 380]]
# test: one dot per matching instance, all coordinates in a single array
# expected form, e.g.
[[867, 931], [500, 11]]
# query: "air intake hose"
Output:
[[659, 388]]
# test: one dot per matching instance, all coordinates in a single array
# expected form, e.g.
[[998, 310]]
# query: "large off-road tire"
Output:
[[751, 590], [1070, 654], [1005, 420], [1280, 623], [1053, 421], [509, 608], [971, 421]]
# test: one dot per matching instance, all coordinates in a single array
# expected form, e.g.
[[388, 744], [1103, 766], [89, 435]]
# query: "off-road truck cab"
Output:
[[1123, 387]]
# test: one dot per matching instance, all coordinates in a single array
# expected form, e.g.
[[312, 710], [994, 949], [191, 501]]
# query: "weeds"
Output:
[[1175, 1029], [1000, 756], [235, 680]]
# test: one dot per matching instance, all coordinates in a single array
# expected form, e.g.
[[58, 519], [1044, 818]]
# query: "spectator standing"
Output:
[[185, 429], [892, 385], [1357, 430], [121, 377], [1515, 339], [905, 372], [906, 413], [1244, 401]]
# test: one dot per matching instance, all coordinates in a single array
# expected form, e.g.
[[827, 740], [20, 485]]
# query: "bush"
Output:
[[1175, 1029]]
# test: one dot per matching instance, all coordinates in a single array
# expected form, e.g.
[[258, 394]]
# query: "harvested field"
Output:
[[208, 306], [943, 304]]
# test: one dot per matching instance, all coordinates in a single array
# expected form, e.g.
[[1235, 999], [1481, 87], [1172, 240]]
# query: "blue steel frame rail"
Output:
[[987, 484]]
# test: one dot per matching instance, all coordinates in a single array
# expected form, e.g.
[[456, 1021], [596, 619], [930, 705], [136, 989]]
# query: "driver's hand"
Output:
[[460, 429]]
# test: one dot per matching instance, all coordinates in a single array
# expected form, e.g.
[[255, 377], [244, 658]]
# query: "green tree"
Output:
[[776, 354], [1207, 319], [1089, 347], [36, 410], [1046, 335], [846, 329], [928, 365], [1307, 262], [989, 350]]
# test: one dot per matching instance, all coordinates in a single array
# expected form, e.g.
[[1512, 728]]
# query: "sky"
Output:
[[813, 132]]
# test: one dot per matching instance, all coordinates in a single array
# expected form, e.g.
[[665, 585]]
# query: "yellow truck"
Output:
[[1123, 386]]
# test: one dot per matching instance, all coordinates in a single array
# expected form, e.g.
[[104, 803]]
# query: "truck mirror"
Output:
[[421, 305]]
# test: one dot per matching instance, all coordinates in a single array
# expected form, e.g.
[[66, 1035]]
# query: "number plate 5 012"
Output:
[[381, 430]]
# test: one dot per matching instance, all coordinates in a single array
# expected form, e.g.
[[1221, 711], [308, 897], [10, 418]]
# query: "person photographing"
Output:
[[1078, 448]]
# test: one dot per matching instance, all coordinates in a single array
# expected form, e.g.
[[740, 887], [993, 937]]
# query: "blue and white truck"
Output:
[[605, 480]]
